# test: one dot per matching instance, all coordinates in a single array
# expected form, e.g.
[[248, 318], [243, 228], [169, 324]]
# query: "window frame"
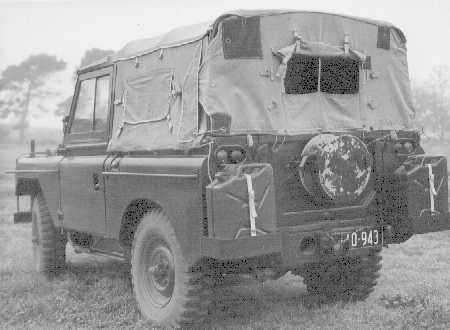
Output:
[[90, 136]]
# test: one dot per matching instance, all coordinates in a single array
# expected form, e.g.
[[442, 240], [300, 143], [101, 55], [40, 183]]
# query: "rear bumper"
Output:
[[248, 247], [287, 244], [412, 200]]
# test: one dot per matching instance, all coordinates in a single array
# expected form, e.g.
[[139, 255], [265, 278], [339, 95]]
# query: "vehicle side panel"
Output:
[[174, 184], [83, 199]]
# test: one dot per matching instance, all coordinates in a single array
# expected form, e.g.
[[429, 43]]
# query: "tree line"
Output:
[[24, 86]]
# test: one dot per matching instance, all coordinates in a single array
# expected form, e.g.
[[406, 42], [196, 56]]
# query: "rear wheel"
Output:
[[167, 290], [49, 246], [345, 279]]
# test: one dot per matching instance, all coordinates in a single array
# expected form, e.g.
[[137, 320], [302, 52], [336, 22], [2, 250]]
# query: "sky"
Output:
[[66, 28]]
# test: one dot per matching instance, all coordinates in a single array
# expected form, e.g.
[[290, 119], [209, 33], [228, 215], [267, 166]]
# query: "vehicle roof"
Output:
[[186, 34]]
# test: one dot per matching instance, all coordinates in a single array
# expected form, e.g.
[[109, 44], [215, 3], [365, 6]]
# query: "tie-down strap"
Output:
[[251, 205]]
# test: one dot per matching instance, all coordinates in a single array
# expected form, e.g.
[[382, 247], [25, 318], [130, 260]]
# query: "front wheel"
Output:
[[49, 246], [167, 290], [345, 279]]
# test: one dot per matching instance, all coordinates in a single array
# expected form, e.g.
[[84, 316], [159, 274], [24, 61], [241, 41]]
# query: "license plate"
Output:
[[363, 238]]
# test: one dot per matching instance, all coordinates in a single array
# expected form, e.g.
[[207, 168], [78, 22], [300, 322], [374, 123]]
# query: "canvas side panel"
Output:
[[164, 72]]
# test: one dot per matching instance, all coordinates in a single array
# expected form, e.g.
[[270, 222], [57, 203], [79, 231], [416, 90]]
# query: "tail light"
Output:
[[232, 154], [404, 147]]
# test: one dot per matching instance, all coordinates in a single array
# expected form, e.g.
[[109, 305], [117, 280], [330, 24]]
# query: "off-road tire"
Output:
[[167, 289], [49, 245], [346, 279]]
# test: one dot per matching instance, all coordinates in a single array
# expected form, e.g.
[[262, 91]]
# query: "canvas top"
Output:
[[275, 72], [186, 34]]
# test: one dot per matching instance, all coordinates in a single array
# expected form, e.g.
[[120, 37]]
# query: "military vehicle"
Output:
[[261, 143]]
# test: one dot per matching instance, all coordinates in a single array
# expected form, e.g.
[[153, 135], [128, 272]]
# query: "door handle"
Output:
[[96, 181]]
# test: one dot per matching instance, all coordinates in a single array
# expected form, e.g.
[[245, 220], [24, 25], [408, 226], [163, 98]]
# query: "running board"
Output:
[[104, 247], [112, 254]]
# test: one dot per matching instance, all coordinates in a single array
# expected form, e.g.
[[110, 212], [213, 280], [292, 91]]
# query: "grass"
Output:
[[95, 292]]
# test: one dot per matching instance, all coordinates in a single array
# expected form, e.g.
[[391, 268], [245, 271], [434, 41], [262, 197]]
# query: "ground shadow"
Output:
[[253, 300], [238, 301]]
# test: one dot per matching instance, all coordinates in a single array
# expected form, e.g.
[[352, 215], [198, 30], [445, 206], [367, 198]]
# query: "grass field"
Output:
[[95, 292]]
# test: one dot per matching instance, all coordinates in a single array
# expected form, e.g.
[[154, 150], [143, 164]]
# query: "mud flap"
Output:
[[22, 217], [426, 187]]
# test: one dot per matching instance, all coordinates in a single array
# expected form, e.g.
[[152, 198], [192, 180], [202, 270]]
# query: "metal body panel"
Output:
[[83, 196], [174, 184], [45, 170]]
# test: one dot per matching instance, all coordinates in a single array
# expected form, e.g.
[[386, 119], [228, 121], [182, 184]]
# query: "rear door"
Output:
[[82, 182]]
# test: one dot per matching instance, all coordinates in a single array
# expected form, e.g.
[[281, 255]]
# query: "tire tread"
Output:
[[190, 308], [358, 278], [52, 250]]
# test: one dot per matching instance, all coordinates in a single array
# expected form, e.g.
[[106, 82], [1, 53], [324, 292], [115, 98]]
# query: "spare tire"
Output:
[[336, 167]]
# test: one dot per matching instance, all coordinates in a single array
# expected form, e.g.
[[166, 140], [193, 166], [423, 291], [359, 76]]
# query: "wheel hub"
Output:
[[161, 275]]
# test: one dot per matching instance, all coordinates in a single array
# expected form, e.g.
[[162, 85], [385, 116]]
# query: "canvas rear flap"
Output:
[[252, 90]]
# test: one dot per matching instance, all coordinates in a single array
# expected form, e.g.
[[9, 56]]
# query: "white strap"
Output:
[[251, 205], [250, 140], [432, 189]]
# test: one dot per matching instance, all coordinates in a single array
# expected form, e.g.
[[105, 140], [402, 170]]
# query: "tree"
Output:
[[90, 56], [93, 55], [432, 102], [63, 107], [4, 132], [20, 84]]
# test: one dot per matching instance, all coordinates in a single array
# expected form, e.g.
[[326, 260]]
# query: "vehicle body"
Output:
[[268, 141]]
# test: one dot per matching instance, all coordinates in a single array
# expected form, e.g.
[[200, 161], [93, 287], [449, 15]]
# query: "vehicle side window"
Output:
[[92, 105], [82, 121], [101, 103]]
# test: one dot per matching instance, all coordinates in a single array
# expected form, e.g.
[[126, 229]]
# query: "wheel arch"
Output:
[[31, 186], [132, 216]]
